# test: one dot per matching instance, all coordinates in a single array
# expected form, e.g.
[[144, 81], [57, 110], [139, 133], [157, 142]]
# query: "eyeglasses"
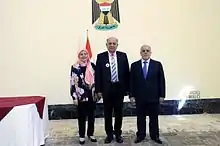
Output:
[[145, 50]]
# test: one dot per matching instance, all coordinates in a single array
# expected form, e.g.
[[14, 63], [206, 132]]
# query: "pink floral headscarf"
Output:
[[89, 74]]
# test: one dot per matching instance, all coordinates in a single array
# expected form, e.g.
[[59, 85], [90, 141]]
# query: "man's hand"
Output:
[[96, 98], [161, 99], [99, 95], [75, 102], [132, 100]]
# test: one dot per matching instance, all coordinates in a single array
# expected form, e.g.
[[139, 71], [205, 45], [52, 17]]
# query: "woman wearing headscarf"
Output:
[[82, 92]]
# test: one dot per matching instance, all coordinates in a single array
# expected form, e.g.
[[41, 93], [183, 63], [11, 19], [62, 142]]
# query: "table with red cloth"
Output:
[[23, 121]]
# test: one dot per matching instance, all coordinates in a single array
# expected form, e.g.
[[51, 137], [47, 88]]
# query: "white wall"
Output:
[[39, 40]]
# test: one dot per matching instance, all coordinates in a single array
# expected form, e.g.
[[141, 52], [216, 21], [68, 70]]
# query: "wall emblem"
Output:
[[105, 14]]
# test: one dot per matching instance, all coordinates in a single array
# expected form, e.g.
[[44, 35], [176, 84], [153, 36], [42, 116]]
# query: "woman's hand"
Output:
[[75, 102]]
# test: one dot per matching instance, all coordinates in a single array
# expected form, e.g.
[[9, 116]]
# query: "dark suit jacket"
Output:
[[151, 88], [103, 73]]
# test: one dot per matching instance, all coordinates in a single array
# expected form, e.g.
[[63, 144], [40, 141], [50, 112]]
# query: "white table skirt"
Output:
[[22, 126]]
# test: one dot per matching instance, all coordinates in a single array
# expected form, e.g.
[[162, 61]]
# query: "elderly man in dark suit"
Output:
[[112, 84], [147, 89]]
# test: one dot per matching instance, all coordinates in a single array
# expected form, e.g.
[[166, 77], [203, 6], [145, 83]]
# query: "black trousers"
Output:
[[113, 102], [86, 111], [152, 110]]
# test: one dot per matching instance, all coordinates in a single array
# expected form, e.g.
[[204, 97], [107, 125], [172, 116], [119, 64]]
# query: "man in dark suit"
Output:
[[147, 89], [112, 84]]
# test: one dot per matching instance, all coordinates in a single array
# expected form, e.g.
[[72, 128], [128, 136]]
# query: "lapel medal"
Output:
[[107, 65]]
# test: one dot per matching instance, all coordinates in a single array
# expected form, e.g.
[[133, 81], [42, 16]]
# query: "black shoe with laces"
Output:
[[92, 139], [108, 139], [157, 140], [81, 140]]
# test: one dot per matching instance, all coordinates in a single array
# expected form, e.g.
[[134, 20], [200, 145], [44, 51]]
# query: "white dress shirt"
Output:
[[110, 61]]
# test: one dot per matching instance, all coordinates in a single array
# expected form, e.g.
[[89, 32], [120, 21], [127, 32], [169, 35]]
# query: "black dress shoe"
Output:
[[138, 140], [119, 139], [92, 139], [157, 140], [81, 141], [108, 139]]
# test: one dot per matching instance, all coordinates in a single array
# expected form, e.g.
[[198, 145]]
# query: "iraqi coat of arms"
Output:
[[105, 14]]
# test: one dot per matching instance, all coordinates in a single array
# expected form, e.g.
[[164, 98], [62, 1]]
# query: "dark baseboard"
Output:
[[168, 107]]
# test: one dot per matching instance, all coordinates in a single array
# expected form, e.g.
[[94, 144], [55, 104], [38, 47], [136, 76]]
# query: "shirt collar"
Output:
[[148, 60], [110, 54]]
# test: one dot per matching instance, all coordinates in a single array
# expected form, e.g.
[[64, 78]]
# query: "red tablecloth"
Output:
[[7, 104]]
